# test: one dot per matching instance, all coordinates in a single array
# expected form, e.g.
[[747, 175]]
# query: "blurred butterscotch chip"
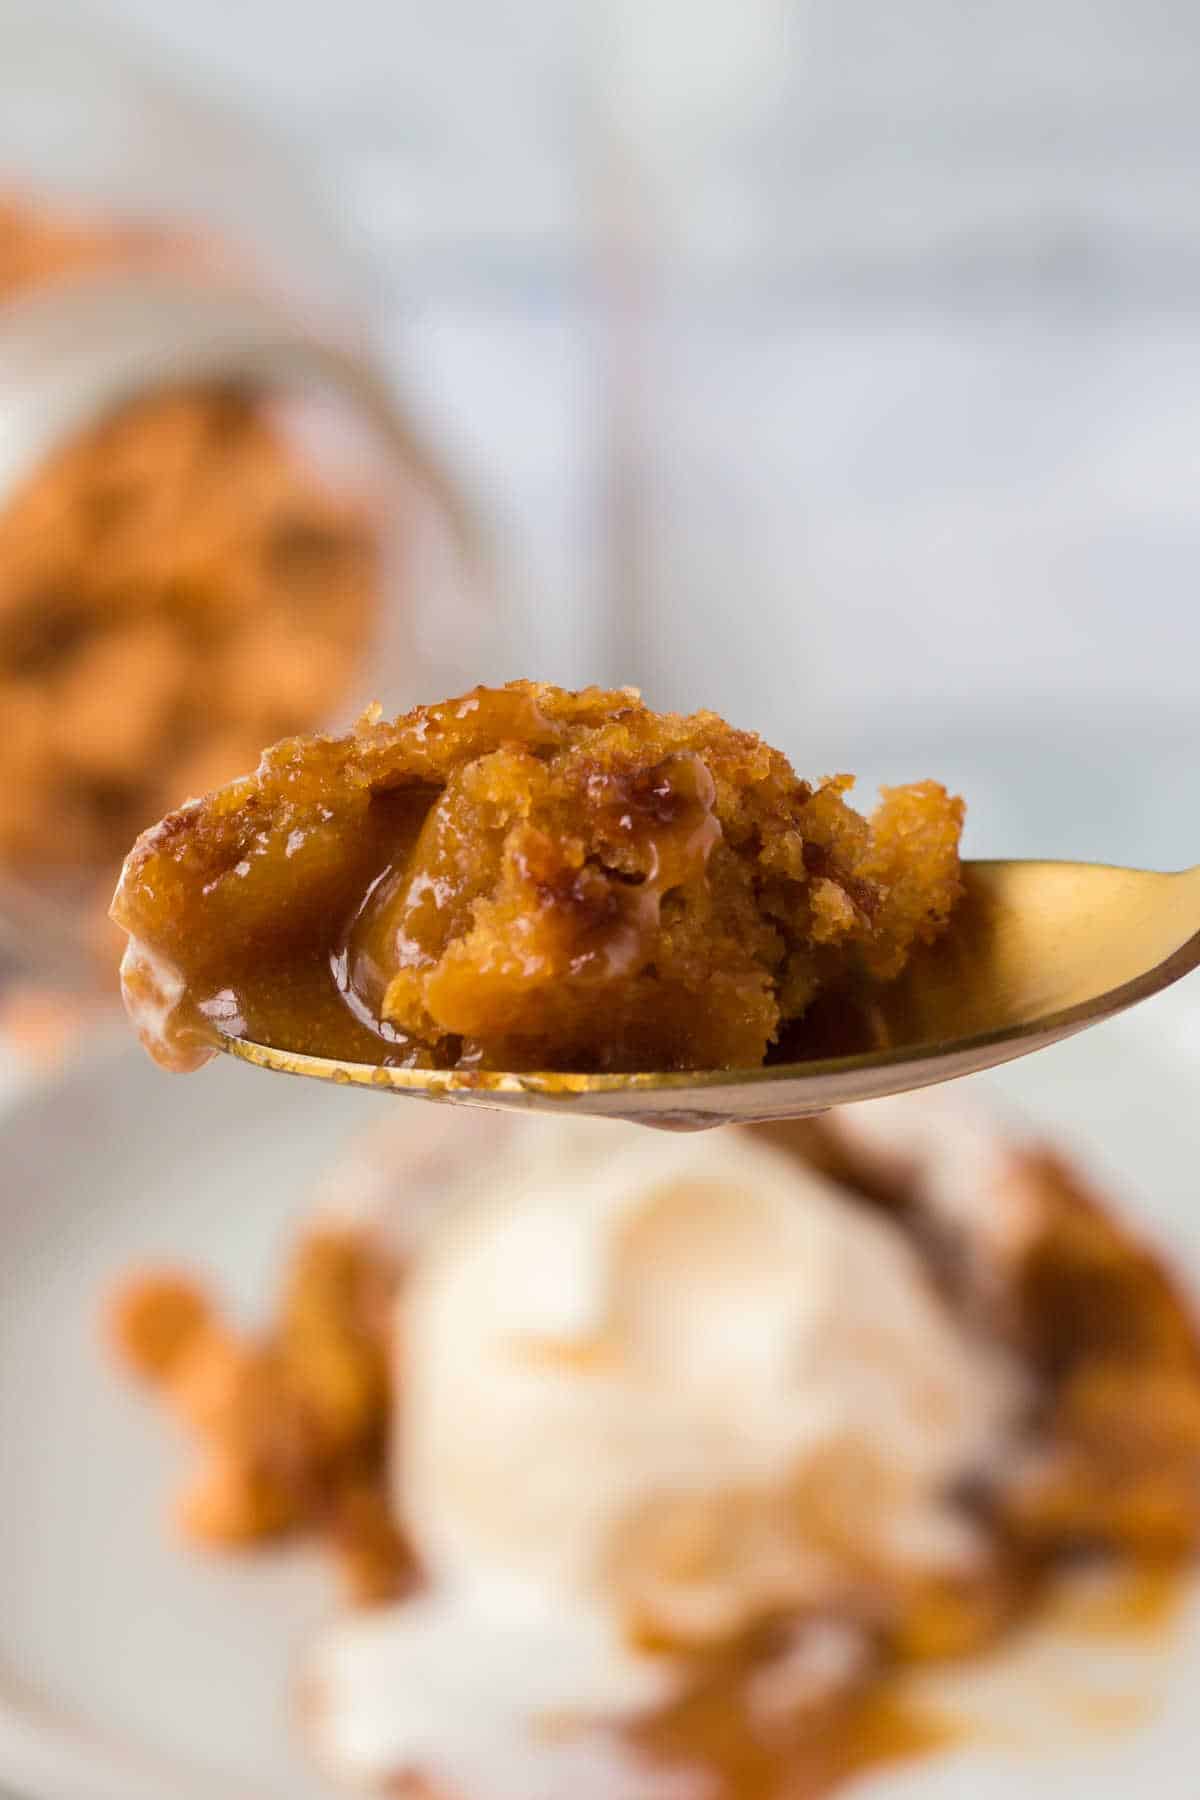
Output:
[[37, 245], [154, 1319], [230, 1503]]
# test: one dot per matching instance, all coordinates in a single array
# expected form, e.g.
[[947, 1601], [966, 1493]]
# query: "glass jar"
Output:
[[209, 544]]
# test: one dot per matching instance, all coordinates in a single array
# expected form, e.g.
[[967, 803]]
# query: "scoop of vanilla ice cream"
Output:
[[645, 1382], [686, 1378]]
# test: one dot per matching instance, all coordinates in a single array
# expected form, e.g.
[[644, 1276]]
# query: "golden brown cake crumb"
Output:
[[521, 878], [291, 1424]]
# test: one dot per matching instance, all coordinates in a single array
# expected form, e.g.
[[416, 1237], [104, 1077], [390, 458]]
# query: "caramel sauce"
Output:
[[318, 999], [811, 1753], [1137, 1600], [888, 1719]]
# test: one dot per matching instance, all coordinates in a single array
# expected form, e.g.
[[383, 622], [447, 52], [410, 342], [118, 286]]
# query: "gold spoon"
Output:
[[1035, 952]]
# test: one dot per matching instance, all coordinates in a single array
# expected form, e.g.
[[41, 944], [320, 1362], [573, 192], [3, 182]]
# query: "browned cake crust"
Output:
[[526, 877]]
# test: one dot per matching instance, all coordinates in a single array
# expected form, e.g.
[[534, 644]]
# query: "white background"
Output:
[[977, 474]]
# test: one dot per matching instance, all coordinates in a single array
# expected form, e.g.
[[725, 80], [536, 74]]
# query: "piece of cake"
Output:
[[525, 878]]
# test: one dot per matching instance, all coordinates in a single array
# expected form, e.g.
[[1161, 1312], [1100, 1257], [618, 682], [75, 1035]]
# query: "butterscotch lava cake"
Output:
[[522, 878]]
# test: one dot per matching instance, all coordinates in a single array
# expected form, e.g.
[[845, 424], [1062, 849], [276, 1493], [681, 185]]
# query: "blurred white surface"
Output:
[[1052, 126]]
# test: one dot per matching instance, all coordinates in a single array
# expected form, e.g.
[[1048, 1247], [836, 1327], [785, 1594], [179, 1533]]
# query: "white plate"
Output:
[[132, 1671]]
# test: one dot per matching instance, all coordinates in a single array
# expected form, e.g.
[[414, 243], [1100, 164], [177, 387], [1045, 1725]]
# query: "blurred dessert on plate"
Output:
[[525, 878], [665, 1462]]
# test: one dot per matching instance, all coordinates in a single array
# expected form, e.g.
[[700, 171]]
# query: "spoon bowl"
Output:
[[1035, 951]]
